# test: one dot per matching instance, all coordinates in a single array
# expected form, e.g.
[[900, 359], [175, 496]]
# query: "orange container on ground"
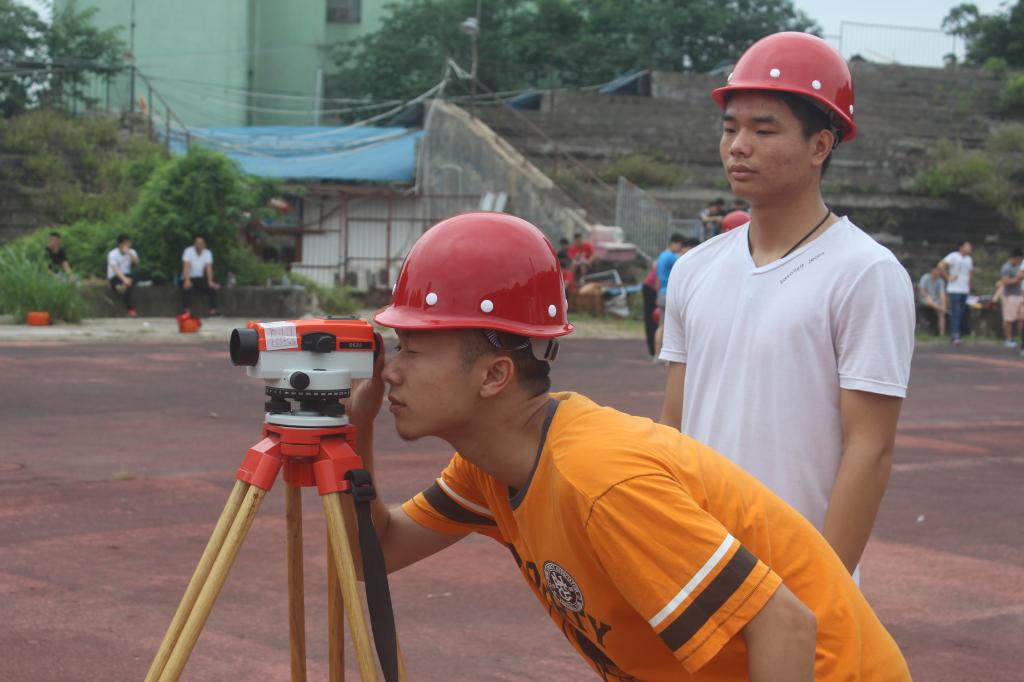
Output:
[[37, 318], [190, 326]]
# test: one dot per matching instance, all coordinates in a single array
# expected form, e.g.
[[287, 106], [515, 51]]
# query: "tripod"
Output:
[[313, 451]]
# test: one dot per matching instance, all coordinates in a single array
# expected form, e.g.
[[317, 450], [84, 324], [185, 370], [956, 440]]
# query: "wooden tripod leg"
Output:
[[218, 574], [335, 620], [296, 590], [198, 579], [350, 592]]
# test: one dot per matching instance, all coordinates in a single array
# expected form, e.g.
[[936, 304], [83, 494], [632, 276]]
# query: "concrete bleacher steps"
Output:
[[901, 112]]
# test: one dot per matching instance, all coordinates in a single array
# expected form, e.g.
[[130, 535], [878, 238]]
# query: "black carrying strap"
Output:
[[375, 575]]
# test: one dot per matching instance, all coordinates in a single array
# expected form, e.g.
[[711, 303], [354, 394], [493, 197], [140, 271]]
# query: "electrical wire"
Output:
[[272, 95]]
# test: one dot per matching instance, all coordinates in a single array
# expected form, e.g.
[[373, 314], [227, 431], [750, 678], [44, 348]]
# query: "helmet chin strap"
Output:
[[544, 349]]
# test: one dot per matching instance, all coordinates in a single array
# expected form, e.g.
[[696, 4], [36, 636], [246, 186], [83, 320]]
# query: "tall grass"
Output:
[[26, 285]]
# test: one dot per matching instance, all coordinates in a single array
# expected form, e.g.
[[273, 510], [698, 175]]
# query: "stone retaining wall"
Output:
[[161, 301]]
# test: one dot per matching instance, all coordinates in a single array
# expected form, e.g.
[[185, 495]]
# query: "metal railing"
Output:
[[891, 44]]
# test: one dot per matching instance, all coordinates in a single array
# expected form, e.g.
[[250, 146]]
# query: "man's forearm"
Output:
[[781, 640], [364, 448], [853, 505]]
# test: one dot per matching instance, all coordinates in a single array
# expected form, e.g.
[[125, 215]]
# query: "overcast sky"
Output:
[[876, 44], [890, 45]]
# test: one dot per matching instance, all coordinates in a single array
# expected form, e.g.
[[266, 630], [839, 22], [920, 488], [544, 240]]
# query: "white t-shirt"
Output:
[[120, 260], [197, 262], [960, 268], [767, 350]]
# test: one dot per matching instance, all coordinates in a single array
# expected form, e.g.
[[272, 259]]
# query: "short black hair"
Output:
[[533, 374], [691, 242], [676, 238], [122, 238], [720, 201], [1017, 253], [199, 235], [55, 234], [960, 244], [563, 241], [578, 235], [812, 120]]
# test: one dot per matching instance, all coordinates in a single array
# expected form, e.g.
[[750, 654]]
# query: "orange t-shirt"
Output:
[[651, 552]]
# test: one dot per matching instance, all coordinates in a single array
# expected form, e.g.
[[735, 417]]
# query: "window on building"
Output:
[[344, 11]]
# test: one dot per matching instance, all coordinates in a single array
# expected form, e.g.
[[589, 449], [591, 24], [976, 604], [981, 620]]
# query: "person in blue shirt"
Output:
[[677, 246]]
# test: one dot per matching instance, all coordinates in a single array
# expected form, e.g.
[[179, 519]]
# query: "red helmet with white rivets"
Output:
[[801, 64], [481, 271]]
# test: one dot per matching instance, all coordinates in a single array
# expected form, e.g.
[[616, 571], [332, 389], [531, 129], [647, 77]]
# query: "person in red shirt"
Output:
[[582, 255]]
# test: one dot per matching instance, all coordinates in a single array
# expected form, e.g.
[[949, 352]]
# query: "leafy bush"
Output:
[[985, 175], [27, 285], [1011, 99], [644, 171], [249, 269], [997, 66], [86, 244], [76, 169], [202, 192], [333, 300]]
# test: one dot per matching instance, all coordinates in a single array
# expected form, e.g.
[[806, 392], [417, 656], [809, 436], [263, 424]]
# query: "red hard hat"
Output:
[[802, 64], [734, 219], [481, 271]]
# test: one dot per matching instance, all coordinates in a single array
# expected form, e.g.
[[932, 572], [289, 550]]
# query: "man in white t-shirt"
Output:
[[119, 268], [789, 339], [956, 269], [197, 275]]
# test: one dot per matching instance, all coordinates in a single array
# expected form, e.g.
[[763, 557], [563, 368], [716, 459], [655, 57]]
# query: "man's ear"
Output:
[[824, 143], [500, 371]]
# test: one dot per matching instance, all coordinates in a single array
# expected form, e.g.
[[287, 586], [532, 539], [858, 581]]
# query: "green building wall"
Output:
[[234, 62]]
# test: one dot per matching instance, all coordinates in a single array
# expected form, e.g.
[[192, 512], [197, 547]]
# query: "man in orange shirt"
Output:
[[657, 558]]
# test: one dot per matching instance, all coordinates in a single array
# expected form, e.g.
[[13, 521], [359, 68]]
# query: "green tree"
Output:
[[51, 63], [21, 39], [202, 192], [549, 43], [78, 51], [1000, 34]]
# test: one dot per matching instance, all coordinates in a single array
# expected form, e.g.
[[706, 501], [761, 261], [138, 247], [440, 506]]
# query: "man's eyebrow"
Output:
[[763, 118]]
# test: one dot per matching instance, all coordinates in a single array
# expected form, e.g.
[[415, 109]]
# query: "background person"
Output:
[[120, 260], [677, 245], [57, 260], [582, 255], [1010, 276], [711, 217], [789, 339], [656, 558], [931, 293], [649, 291], [197, 275], [956, 268]]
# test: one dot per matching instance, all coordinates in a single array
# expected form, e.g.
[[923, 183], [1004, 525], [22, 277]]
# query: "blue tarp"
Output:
[[357, 154]]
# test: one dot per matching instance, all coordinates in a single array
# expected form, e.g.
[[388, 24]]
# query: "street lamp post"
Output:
[[471, 27]]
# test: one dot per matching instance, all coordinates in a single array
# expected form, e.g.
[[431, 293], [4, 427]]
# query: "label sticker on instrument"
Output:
[[280, 335]]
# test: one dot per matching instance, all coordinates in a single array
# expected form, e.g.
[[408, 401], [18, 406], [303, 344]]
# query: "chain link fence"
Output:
[[647, 223]]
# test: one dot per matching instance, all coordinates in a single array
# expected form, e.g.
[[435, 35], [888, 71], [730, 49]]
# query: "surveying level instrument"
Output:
[[307, 366]]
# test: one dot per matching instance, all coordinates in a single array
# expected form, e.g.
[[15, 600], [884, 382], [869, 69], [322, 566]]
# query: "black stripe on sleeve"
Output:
[[710, 600], [451, 509]]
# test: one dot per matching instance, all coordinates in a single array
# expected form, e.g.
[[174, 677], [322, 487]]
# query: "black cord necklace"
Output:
[[814, 229]]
